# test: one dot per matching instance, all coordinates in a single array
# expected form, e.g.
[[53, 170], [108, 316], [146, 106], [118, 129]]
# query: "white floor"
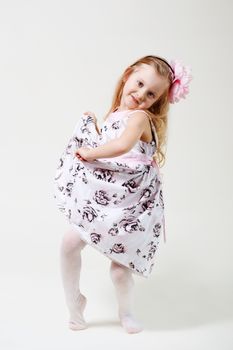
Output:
[[34, 317]]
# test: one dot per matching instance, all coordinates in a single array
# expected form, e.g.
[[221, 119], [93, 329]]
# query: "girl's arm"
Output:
[[113, 148], [118, 146]]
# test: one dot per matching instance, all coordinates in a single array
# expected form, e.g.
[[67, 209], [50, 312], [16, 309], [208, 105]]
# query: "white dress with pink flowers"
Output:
[[116, 204]]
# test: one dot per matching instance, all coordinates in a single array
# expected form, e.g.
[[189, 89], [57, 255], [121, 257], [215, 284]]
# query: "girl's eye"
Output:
[[139, 83], [151, 93]]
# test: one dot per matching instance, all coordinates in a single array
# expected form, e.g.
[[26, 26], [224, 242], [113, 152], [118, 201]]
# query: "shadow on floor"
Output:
[[106, 323]]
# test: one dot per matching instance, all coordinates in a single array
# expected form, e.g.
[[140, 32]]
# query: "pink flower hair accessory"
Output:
[[180, 84]]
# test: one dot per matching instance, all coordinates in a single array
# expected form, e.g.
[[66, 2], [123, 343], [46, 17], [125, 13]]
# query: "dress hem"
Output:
[[98, 248]]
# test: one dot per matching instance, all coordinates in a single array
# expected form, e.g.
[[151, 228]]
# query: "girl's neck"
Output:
[[119, 109]]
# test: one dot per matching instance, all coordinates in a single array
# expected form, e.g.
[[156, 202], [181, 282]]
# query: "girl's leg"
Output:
[[123, 281], [70, 262]]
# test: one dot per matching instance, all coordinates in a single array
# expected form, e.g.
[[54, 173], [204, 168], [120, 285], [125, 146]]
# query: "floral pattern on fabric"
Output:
[[116, 204]]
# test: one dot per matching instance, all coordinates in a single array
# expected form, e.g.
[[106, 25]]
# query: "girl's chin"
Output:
[[130, 103]]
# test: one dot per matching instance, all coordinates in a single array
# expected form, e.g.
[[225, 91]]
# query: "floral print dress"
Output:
[[116, 204]]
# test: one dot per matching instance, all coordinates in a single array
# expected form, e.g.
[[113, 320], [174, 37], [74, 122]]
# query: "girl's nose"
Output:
[[140, 94]]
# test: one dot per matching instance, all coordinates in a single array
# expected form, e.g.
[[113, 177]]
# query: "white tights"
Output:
[[70, 259]]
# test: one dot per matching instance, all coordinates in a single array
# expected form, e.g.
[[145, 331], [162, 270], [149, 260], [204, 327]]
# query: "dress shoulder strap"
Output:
[[154, 133]]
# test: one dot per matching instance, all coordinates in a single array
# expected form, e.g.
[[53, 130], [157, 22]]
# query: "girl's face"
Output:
[[142, 88]]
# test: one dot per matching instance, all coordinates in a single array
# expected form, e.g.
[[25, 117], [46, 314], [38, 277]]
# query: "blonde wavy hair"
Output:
[[159, 110]]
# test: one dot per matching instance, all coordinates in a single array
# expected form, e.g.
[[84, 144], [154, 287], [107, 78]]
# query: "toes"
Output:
[[77, 326]]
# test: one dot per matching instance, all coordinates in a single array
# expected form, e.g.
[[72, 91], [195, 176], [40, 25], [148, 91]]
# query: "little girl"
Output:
[[109, 186]]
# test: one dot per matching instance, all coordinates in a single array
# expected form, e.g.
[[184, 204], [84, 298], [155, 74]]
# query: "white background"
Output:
[[60, 58]]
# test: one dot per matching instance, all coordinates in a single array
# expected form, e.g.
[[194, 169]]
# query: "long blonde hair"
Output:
[[159, 110]]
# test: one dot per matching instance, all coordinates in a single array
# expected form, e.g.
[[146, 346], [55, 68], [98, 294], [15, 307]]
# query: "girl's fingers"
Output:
[[88, 112], [78, 156]]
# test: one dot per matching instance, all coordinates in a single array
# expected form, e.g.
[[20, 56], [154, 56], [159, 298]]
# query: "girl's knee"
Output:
[[119, 273], [71, 241]]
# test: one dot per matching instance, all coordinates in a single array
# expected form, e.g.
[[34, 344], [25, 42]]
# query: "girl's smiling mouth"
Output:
[[134, 99]]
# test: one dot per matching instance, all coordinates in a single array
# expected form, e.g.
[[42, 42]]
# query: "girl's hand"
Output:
[[92, 115], [84, 154]]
